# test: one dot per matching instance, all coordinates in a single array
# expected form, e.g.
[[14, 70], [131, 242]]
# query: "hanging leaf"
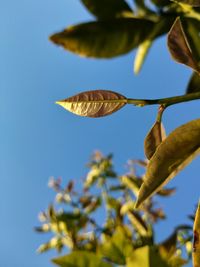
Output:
[[171, 156], [168, 247], [188, 2], [107, 9], [196, 241], [104, 39], [179, 46], [80, 259], [141, 55], [94, 104], [144, 48], [194, 84], [153, 139]]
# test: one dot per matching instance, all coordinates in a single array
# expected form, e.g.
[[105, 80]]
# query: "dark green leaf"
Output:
[[107, 9], [171, 156], [194, 84], [94, 104], [192, 29], [179, 46], [104, 39], [80, 259]]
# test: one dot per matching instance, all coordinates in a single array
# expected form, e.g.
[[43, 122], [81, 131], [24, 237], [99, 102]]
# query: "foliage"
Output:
[[126, 235], [123, 236]]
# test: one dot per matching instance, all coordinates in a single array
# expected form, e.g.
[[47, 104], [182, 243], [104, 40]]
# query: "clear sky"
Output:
[[40, 139]]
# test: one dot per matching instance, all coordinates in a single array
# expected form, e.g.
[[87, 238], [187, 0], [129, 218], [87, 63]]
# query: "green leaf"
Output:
[[80, 259], [146, 257], [194, 84], [144, 48], [168, 247], [118, 247], [171, 156], [161, 3], [94, 104], [141, 55], [154, 138], [104, 39], [179, 47], [107, 9], [192, 29], [188, 2], [196, 242]]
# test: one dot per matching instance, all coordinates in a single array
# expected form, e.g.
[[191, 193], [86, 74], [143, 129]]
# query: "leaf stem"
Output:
[[165, 101]]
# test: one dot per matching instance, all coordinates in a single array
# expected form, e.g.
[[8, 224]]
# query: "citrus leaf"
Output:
[[94, 104], [192, 28], [80, 259], [104, 39], [106, 9], [165, 192], [196, 242], [117, 247], [144, 48], [141, 55], [168, 247], [179, 47], [153, 139], [194, 84], [188, 2], [171, 156], [146, 257]]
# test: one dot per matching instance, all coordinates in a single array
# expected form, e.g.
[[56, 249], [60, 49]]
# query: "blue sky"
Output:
[[39, 139]]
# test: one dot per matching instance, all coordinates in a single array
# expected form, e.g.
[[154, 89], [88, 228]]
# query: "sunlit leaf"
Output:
[[141, 55], [146, 257], [93, 104], [171, 156], [117, 247], [188, 2], [196, 241], [179, 46], [144, 47], [153, 139], [194, 84], [80, 259], [107, 9], [104, 39]]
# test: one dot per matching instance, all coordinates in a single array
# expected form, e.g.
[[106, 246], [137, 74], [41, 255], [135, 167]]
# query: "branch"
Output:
[[164, 101]]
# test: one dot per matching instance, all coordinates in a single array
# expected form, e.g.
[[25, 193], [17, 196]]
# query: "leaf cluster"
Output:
[[124, 236]]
